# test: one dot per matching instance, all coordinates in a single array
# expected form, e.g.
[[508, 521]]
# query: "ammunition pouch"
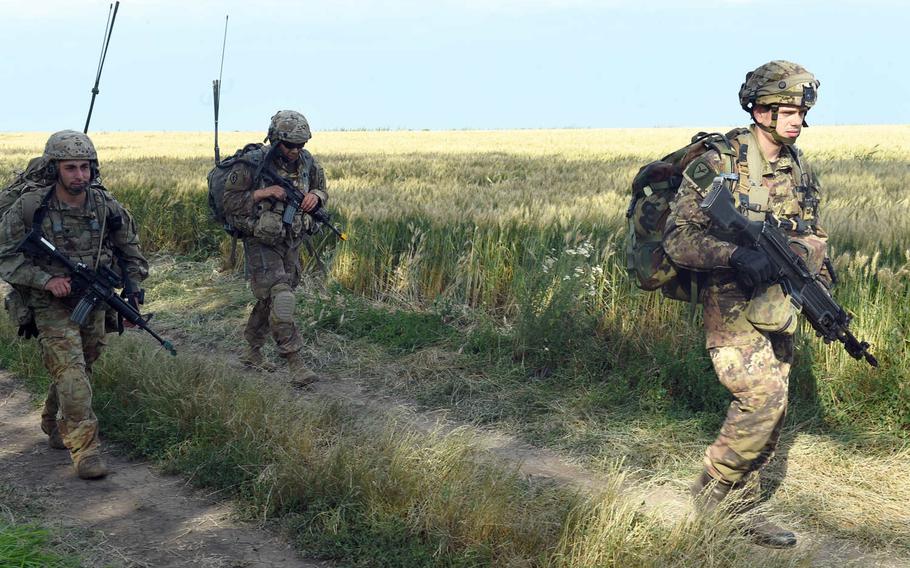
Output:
[[812, 249], [771, 311], [269, 227]]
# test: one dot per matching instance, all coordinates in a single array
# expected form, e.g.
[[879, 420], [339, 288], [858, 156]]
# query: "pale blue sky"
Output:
[[444, 65]]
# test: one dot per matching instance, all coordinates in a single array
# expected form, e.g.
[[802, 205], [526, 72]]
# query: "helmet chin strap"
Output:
[[772, 128]]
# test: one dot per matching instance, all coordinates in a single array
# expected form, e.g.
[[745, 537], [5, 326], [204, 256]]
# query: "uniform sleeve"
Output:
[[239, 205], [687, 240], [125, 241], [16, 267], [318, 183]]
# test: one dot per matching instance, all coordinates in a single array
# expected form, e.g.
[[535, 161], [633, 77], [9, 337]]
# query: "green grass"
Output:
[[28, 546], [26, 539], [364, 488], [653, 410], [399, 330]]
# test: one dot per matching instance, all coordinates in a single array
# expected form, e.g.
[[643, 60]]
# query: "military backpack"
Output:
[[252, 154], [653, 190], [35, 176]]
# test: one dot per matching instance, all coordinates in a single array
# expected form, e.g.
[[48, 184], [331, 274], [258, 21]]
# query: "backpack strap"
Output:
[[723, 146], [40, 212], [753, 201], [303, 171]]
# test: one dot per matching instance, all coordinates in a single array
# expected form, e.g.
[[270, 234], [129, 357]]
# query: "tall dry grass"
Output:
[[470, 217]]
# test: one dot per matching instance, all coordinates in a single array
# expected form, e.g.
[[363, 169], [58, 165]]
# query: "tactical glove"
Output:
[[753, 265], [28, 330]]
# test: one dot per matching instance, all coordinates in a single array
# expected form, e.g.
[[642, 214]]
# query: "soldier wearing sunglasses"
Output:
[[271, 243]]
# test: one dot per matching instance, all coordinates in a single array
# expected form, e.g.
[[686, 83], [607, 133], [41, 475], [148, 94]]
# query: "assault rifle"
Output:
[[293, 196], [805, 291], [98, 287]]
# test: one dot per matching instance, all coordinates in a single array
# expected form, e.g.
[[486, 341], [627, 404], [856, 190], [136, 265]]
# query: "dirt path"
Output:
[[135, 517]]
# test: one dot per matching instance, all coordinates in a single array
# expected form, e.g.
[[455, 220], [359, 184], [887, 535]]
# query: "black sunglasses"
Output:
[[290, 146]]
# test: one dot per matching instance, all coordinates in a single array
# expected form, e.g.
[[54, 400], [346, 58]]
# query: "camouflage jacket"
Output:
[[91, 234], [263, 220], [788, 189]]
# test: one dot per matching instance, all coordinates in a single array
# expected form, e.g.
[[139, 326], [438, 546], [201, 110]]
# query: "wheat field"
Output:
[[519, 234]]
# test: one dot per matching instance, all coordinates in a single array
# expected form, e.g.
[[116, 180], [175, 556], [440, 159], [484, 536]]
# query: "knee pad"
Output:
[[283, 304]]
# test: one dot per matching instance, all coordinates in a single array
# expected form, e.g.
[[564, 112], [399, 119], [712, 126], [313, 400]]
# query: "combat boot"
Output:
[[766, 533], [300, 374], [91, 467], [708, 493], [252, 357], [54, 438]]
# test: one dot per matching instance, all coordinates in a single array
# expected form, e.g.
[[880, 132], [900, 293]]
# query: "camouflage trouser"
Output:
[[757, 376], [68, 352], [274, 273]]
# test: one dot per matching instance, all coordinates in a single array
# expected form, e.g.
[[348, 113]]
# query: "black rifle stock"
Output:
[[97, 287], [804, 290]]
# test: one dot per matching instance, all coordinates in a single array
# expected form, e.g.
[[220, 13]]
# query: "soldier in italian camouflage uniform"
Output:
[[271, 247], [748, 323], [89, 226]]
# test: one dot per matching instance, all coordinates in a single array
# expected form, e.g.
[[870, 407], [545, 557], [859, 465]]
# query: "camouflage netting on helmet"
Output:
[[69, 145], [289, 126], [778, 82]]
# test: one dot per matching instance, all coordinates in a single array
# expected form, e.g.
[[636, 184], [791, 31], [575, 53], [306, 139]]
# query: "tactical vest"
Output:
[[79, 233], [753, 197], [253, 156]]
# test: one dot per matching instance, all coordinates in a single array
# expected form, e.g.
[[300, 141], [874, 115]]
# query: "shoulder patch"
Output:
[[702, 171]]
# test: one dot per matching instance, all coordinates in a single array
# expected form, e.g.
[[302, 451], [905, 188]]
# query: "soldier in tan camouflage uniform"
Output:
[[748, 323], [89, 226], [272, 248]]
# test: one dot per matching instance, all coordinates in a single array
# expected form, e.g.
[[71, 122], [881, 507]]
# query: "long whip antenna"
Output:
[[216, 90], [105, 42]]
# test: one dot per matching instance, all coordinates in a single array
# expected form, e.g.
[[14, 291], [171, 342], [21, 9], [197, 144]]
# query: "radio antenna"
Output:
[[105, 42]]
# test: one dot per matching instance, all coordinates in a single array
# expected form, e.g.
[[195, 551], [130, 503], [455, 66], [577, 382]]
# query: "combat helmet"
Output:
[[289, 126], [70, 145], [778, 83], [66, 145]]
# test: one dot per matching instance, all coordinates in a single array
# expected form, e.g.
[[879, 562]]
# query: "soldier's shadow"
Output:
[[804, 408]]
